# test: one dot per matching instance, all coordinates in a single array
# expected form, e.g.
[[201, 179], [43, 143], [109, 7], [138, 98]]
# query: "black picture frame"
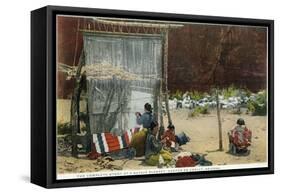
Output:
[[43, 95]]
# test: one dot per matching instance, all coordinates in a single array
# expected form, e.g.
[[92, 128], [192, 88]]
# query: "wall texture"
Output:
[[199, 56]]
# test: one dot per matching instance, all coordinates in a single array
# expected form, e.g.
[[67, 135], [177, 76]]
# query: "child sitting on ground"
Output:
[[169, 139]]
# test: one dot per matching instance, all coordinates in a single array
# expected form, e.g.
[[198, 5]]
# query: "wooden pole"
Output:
[[219, 121], [239, 104], [138, 24], [156, 94], [162, 128], [87, 122], [75, 102], [160, 104], [166, 36]]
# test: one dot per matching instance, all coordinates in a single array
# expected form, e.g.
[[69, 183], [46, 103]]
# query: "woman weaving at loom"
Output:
[[146, 118]]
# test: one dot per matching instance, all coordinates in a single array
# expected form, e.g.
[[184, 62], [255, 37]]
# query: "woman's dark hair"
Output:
[[148, 107], [153, 124], [171, 126], [240, 121]]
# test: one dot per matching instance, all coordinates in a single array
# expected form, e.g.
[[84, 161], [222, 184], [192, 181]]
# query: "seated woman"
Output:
[[239, 138], [155, 155]]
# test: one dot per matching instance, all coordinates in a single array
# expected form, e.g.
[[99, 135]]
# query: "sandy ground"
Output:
[[203, 131]]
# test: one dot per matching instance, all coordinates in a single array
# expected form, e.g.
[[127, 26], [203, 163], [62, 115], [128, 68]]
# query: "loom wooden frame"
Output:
[[43, 95]]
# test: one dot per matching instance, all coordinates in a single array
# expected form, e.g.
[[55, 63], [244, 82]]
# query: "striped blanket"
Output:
[[107, 142]]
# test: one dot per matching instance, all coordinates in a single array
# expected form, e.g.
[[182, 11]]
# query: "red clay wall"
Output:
[[192, 55]]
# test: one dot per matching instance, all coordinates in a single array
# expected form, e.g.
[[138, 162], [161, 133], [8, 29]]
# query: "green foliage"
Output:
[[230, 91], [258, 106], [196, 95], [200, 110], [194, 113], [246, 92], [204, 110], [178, 95], [64, 128]]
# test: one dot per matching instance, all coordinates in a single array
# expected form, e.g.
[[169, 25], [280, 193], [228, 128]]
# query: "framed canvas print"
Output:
[[125, 96]]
